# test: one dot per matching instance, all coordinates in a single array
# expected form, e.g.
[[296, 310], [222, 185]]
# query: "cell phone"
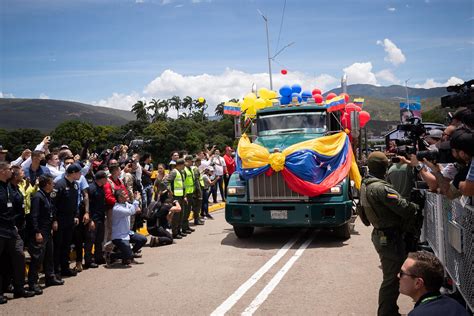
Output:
[[395, 160]]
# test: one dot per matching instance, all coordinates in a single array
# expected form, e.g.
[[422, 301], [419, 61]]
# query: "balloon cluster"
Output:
[[251, 103], [294, 94]]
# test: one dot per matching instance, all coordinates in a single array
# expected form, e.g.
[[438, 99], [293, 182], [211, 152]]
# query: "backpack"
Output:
[[149, 211]]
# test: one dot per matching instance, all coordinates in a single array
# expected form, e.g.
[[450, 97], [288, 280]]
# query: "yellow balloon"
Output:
[[259, 104], [251, 95], [263, 93], [268, 103], [272, 94], [201, 100]]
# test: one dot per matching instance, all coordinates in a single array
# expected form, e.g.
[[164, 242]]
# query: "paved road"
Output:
[[277, 272]]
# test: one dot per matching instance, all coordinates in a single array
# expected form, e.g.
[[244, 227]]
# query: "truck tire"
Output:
[[243, 231], [343, 232]]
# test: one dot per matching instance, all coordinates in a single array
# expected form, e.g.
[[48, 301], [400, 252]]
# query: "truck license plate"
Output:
[[279, 214]]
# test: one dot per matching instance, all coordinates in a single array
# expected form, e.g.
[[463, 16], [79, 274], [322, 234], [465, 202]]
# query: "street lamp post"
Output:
[[268, 49]]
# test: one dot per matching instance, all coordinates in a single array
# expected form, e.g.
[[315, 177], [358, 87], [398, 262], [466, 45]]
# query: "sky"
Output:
[[115, 52]]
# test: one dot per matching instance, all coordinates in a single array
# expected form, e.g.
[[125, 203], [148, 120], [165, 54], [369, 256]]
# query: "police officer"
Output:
[[391, 216], [65, 197], [191, 189], [40, 244], [11, 244], [175, 183]]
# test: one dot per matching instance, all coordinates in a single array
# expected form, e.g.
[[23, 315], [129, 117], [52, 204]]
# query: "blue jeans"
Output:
[[205, 202], [137, 240]]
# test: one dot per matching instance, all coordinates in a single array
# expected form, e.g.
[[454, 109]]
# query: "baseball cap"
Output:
[[63, 147], [73, 168], [3, 150]]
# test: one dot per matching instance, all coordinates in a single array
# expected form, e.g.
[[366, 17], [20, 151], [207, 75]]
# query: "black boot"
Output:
[[53, 281], [35, 288], [23, 293]]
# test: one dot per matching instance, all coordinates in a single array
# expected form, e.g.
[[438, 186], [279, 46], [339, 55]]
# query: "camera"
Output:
[[441, 154], [137, 143], [463, 96]]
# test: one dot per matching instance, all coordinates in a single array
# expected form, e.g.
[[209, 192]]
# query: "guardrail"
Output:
[[449, 230]]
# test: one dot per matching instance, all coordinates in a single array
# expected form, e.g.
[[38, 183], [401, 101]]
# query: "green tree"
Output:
[[187, 103], [154, 108], [219, 111], [139, 108], [20, 139], [73, 133], [175, 103]]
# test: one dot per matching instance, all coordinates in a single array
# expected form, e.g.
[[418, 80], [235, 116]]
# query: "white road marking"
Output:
[[263, 295], [234, 298]]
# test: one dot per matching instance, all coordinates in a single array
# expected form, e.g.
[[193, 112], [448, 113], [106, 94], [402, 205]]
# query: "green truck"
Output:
[[267, 201]]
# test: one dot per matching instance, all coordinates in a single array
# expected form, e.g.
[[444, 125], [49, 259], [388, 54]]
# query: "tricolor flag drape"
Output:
[[309, 168], [336, 103], [359, 102], [232, 108]]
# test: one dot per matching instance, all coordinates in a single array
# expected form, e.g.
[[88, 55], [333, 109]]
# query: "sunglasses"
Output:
[[402, 273]]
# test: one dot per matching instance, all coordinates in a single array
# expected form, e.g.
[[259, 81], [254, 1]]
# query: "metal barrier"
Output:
[[449, 230]]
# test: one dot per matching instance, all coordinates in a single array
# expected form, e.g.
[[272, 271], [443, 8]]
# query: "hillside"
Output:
[[45, 115]]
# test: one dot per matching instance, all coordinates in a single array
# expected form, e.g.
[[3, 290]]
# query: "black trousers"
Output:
[[13, 249], [164, 237], [219, 185], [40, 253], [79, 237], [96, 238], [62, 239]]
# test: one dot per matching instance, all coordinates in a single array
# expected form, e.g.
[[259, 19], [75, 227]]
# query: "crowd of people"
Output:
[[392, 203], [53, 200]]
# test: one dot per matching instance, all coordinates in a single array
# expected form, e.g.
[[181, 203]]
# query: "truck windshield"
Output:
[[301, 122]]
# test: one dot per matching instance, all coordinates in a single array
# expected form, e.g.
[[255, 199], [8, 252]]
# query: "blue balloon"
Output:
[[285, 100], [306, 94], [296, 95], [305, 98], [285, 91], [296, 88]]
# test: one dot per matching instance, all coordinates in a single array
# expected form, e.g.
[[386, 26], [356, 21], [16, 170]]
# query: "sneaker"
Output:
[[191, 229], [198, 222], [35, 288], [133, 261], [137, 255]]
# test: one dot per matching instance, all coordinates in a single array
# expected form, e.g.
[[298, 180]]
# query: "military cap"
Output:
[[188, 157], [180, 161], [377, 163]]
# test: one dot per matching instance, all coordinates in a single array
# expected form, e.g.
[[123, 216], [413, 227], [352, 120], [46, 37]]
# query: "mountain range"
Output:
[[44, 114]]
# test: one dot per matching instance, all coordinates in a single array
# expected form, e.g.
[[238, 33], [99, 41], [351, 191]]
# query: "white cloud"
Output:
[[388, 76], [392, 9], [120, 101], [394, 54], [43, 96], [360, 73], [164, 2], [431, 83], [179, 6], [139, 1], [6, 95]]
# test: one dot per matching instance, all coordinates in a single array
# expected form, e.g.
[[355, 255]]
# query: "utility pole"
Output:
[[406, 90], [344, 83]]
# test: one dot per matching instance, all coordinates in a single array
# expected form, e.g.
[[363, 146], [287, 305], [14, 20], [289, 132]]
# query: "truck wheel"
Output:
[[243, 231], [343, 232]]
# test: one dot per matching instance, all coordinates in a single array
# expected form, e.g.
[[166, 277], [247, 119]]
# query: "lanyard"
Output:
[[429, 299]]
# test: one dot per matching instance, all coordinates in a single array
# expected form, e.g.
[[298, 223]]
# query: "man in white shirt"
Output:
[[220, 168]]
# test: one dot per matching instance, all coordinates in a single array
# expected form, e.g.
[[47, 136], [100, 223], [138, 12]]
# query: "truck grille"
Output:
[[273, 188]]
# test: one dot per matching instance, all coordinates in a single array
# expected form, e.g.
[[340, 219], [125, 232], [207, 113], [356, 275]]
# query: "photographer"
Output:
[[158, 222], [462, 149]]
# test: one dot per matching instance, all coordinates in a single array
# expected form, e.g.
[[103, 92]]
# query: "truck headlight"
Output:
[[236, 190]]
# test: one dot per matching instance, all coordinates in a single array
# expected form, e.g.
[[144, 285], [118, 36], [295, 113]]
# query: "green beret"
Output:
[[377, 163]]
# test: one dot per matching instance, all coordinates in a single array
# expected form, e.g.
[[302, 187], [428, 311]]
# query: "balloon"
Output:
[[259, 104], [364, 118], [331, 95], [267, 94], [284, 71], [318, 98], [285, 100], [249, 103], [201, 100], [350, 107], [346, 97], [316, 91], [296, 88], [268, 103], [346, 121], [296, 96], [306, 94], [285, 91]]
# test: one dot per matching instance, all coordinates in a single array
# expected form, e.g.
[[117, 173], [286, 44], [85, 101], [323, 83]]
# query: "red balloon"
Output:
[[316, 91], [346, 120], [346, 97], [331, 95], [364, 118], [350, 107], [284, 71], [318, 99]]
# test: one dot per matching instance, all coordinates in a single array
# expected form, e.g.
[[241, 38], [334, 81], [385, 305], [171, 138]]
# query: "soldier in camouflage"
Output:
[[391, 216]]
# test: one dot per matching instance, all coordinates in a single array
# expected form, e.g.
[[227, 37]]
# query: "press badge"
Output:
[[383, 240], [9, 204]]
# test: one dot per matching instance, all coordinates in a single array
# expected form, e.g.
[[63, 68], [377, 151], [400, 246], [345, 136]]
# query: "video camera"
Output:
[[412, 141], [463, 96], [138, 143]]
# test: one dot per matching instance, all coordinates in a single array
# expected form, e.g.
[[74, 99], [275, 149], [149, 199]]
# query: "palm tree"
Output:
[[164, 108], [154, 107], [175, 102], [139, 108], [219, 109], [201, 109], [187, 104]]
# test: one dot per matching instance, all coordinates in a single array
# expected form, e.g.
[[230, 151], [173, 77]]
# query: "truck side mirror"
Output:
[[355, 124]]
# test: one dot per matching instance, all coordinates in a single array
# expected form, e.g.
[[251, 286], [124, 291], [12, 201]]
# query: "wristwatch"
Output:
[[419, 166]]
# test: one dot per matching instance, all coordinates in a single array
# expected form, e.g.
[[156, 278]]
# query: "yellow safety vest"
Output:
[[178, 184], [189, 181]]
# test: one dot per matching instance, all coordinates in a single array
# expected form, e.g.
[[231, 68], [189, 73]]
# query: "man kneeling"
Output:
[[121, 235], [158, 223]]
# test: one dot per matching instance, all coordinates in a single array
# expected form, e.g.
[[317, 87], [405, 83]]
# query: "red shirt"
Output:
[[109, 193], [229, 163]]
